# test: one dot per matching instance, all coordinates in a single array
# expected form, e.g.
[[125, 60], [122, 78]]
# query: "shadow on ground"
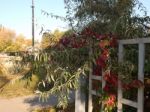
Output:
[[34, 101]]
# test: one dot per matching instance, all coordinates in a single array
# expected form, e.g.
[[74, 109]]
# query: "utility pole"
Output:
[[32, 23]]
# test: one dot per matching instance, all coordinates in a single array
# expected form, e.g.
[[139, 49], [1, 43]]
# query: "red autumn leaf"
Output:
[[106, 88], [65, 41], [74, 45], [114, 81], [87, 32], [104, 43], [101, 62], [136, 84], [106, 76], [110, 102], [98, 36], [97, 71], [126, 86], [105, 54], [111, 79], [78, 43], [113, 42]]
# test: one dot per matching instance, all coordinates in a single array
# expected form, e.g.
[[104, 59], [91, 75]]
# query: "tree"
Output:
[[104, 16], [17, 44], [63, 64], [49, 39], [58, 34], [22, 42], [10, 42], [46, 39], [7, 36]]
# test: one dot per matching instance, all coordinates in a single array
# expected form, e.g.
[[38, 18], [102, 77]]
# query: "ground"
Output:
[[26, 103]]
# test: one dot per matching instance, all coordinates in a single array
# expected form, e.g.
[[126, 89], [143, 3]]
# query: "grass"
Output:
[[3, 77], [3, 80], [18, 88]]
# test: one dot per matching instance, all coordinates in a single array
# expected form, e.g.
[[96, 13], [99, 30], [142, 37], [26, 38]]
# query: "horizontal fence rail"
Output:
[[134, 41], [141, 57]]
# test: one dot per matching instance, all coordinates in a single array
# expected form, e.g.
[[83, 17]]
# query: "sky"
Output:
[[16, 15]]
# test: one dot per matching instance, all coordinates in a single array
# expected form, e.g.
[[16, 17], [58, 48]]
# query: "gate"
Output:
[[139, 105], [141, 57]]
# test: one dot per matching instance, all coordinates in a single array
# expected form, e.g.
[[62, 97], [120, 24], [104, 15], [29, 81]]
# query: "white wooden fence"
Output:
[[140, 97], [141, 57]]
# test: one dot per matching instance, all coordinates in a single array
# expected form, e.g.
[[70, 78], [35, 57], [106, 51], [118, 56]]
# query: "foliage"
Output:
[[2, 69], [60, 66], [9, 41], [18, 87], [105, 16], [56, 77], [20, 44], [3, 81], [118, 17], [6, 38], [50, 38], [114, 71]]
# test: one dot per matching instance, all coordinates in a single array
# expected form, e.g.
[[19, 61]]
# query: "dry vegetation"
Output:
[[17, 88], [70, 108]]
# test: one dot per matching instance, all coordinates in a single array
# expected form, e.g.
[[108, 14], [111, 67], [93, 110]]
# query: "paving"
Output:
[[26, 104]]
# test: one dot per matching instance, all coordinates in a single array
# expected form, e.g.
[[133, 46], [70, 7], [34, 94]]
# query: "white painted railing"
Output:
[[93, 92], [140, 99]]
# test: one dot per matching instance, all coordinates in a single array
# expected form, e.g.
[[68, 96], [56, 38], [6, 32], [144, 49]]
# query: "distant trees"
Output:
[[19, 44], [7, 37], [9, 41], [51, 38]]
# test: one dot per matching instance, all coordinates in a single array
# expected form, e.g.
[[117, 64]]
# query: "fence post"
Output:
[[120, 56], [90, 106], [80, 96], [141, 76]]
